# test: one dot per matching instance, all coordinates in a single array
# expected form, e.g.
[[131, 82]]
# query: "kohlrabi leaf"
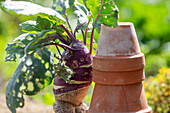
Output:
[[38, 70], [12, 50], [14, 97], [33, 74], [17, 47], [59, 4], [63, 71], [43, 24], [29, 42], [76, 12], [82, 12], [38, 25], [83, 15], [21, 46], [29, 26], [66, 9], [108, 14], [28, 8]]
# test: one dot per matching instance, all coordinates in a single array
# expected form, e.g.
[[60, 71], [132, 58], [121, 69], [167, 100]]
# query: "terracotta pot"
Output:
[[118, 72]]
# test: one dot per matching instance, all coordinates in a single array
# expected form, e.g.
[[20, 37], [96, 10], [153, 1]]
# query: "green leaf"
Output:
[[14, 97], [108, 15], [63, 71], [47, 36], [29, 42], [77, 13], [17, 47], [43, 24], [38, 25], [12, 50], [39, 70], [29, 26], [28, 8], [20, 46], [33, 74], [93, 7], [68, 5], [83, 15]]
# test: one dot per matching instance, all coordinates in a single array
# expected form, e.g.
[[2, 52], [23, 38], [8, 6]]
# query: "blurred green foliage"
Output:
[[151, 19], [8, 30], [157, 90]]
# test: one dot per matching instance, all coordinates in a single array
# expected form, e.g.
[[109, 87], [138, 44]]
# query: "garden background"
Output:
[[151, 19]]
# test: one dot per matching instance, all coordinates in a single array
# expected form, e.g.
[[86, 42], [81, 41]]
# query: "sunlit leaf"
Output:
[[20, 46], [28, 42], [43, 24], [40, 24], [29, 26], [28, 8], [33, 74], [108, 15], [77, 13], [17, 47], [83, 15]]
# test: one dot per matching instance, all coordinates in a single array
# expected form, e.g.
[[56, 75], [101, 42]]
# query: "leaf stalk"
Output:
[[91, 42]]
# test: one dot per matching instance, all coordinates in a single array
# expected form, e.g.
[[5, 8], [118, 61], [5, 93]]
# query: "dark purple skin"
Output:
[[75, 59]]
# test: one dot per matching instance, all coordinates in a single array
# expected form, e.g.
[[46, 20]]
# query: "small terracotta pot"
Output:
[[118, 72]]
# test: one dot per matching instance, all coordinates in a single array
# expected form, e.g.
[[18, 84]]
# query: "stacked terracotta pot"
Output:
[[118, 72]]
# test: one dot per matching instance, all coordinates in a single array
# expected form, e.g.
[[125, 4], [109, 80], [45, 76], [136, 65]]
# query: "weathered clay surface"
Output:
[[118, 41]]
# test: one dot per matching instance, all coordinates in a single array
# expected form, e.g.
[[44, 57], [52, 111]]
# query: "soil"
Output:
[[31, 106]]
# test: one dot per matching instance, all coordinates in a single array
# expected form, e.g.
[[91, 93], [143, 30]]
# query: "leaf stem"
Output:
[[46, 40], [27, 46], [68, 32], [61, 45], [64, 11], [77, 28], [116, 15], [57, 57], [85, 36], [59, 52], [91, 42]]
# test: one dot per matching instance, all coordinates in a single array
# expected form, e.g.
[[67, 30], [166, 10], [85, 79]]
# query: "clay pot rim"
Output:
[[120, 24], [119, 56], [118, 78], [118, 64]]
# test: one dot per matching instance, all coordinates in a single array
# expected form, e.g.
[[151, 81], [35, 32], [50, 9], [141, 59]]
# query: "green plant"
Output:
[[51, 26], [157, 91]]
